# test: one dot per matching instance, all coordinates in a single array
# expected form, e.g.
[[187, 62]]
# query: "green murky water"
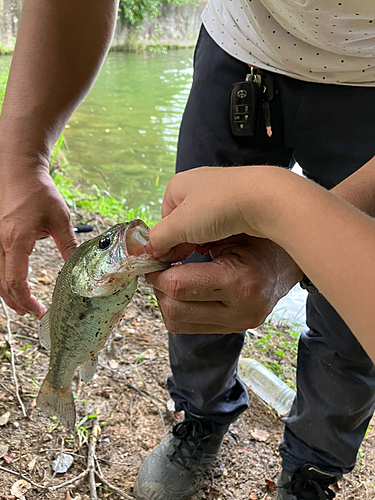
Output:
[[124, 135]]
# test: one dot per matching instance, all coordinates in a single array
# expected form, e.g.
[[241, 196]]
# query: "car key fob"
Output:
[[245, 105]]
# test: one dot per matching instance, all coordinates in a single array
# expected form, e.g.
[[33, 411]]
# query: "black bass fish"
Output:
[[92, 290]]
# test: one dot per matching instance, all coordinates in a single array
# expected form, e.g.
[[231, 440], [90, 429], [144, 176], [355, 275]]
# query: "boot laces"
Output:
[[305, 488], [191, 433]]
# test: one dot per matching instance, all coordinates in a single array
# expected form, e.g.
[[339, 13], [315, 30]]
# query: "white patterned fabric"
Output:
[[326, 41]]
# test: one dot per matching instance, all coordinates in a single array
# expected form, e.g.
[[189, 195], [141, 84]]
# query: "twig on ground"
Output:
[[71, 481], [15, 473], [92, 462], [91, 457], [12, 357], [133, 367], [24, 325], [131, 414], [113, 488], [143, 392], [57, 466]]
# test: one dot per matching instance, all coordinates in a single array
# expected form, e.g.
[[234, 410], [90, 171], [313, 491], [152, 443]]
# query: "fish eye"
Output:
[[104, 242]]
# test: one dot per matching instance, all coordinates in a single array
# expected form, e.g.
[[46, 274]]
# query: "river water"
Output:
[[124, 135]]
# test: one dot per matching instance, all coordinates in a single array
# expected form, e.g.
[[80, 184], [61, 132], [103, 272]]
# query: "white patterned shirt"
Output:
[[326, 41]]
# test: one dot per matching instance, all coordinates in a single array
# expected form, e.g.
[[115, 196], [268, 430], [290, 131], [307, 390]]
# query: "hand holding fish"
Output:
[[246, 277], [30, 208]]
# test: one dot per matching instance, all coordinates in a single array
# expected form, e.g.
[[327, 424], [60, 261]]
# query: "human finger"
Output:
[[197, 329], [213, 312], [203, 281], [65, 241], [17, 286]]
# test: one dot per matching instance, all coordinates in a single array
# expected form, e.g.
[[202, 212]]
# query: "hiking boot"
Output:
[[175, 467], [307, 483]]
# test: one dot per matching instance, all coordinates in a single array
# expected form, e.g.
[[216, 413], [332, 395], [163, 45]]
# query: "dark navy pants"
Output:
[[330, 131]]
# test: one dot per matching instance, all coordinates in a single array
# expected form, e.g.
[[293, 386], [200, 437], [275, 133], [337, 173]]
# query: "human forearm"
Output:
[[358, 189], [331, 241], [60, 47]]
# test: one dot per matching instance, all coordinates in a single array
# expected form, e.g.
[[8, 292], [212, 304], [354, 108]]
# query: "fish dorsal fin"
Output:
[[45, 332], [88, 369]]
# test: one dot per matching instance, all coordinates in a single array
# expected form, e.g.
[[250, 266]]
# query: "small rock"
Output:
[[259, 435], [4, 419], [106, 440], [118, 337], [272, 462], [61, 463]]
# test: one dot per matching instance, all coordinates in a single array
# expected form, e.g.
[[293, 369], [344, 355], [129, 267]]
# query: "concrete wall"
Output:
[[176, 26], [10, 11]]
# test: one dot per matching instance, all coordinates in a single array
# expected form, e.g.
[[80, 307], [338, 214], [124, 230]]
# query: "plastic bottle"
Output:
[[266, 385]]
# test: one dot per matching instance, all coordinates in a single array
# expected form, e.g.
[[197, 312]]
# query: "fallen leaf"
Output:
[[271, 485], [113, 364], [42, 278], [32, 464], [4, 418], [19, 489], [33, 404], [260, 435], [8, 458], [171, 405], [253, 496], [3, 450]]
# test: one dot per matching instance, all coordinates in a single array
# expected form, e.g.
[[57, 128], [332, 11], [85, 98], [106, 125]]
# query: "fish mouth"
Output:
[[134, 240]]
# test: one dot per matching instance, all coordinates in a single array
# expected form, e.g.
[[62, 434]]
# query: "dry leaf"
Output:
[[260, 435], [253, 496], [113, 364], [8, 458], [19, 489], [32, 464], [46, 280], [271, 485], [33, 404], [4, 418]]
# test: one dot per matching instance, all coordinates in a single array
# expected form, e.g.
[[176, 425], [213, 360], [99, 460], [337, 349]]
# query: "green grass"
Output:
[[276, 347], [90, 198]]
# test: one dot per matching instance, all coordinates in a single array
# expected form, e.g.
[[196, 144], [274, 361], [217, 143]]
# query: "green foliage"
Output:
[[4, 50], [137, 11], [3, 84], [94, 199]]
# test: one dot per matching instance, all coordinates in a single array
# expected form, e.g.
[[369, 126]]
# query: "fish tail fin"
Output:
[[58, 402]]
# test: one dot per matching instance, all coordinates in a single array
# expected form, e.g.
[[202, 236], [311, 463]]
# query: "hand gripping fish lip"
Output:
[[118, 257]]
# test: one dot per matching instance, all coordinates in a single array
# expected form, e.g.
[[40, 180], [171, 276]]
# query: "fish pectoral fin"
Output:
[[88, 369], [45, 332]]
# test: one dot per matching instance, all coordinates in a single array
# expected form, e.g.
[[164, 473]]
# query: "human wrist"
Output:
[[264, 196]]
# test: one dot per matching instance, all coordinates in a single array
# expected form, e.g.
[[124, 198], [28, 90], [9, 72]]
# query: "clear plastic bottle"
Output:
[[266, 385]]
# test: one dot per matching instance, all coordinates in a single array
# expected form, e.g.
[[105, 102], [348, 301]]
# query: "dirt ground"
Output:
[[130, 393]]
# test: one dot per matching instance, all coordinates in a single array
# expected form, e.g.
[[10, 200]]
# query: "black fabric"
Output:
[[330, 131]]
